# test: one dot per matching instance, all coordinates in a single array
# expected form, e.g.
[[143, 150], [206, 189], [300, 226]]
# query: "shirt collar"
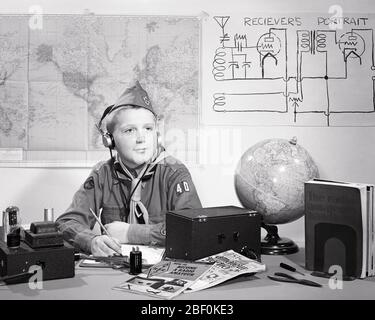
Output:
[[129, 174]]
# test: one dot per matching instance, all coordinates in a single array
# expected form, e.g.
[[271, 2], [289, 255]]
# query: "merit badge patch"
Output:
[[182, 187], [89, 183]]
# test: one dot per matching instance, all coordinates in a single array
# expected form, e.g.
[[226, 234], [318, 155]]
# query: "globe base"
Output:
[[272, 244], [283, 246]]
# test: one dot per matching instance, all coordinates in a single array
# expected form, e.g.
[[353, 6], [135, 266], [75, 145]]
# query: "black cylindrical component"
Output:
[[13, 240], [135, 261]]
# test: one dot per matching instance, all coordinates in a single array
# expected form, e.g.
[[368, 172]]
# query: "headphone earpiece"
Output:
[[108, 140]]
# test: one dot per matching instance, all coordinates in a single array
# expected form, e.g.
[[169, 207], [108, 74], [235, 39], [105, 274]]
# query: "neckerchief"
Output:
[[137, 211]]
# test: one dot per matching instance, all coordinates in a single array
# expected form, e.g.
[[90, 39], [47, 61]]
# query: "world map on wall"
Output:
[[56, 81]]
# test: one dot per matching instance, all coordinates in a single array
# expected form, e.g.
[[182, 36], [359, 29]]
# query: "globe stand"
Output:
[[272, 244]]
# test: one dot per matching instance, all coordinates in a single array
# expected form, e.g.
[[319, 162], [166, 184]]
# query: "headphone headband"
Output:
[[107, 111]]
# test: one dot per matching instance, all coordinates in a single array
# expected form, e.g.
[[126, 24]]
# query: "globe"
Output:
[[270, 179]]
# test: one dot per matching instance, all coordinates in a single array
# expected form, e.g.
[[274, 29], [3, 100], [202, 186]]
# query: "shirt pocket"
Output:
[[110, 214]]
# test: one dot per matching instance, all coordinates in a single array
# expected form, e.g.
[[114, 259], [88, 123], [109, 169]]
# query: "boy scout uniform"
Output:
[[168, 187]]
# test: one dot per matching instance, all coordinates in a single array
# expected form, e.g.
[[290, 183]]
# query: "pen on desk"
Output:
[[290, 268]]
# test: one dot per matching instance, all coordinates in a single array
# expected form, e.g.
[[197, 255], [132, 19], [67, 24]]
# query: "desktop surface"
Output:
[[97, 283]]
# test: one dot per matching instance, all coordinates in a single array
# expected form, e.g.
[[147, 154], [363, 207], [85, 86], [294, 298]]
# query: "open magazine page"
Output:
[[228, 264], [165, 280]]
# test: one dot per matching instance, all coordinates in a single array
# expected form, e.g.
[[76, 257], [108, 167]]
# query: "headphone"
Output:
[[107, 137]]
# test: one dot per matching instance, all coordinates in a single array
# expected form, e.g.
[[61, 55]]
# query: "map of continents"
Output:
[[55, 82]]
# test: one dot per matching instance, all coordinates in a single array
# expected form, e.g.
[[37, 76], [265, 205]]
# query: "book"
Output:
[[339, 227], [166, 279], [227, 265]]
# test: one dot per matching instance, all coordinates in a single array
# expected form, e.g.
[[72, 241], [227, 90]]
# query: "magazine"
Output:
[[228, 265], [166, 279]]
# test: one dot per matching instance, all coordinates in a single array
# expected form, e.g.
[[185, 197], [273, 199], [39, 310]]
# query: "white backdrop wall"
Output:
[[340, 153]]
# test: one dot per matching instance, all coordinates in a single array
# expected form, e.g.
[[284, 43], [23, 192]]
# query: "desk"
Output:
[[90, 283]]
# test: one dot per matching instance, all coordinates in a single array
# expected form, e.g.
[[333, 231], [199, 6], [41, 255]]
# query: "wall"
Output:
[[340, 153]]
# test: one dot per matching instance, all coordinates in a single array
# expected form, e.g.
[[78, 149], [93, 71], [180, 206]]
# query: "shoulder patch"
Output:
[[182, 187], [89, 183]]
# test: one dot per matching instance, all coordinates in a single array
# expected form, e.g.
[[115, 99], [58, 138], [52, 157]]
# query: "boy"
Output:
[[131, 192]]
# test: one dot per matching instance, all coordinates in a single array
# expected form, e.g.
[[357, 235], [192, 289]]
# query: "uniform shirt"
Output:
[[170, 187]]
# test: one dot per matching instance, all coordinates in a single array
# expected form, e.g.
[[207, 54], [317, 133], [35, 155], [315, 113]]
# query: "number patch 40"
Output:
[[182, 187]]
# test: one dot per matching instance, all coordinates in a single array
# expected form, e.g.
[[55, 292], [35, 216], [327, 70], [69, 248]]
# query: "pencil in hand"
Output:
[[99, 222], [106, 231]]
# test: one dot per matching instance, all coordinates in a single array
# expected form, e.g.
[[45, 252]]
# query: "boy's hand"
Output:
[[118, 230], [104, 246]]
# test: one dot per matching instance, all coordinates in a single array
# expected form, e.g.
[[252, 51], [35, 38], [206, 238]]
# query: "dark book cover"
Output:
[[333, 228]]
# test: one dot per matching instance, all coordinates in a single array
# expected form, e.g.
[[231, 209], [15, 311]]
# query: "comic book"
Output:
[[166, 279], [227, 265]]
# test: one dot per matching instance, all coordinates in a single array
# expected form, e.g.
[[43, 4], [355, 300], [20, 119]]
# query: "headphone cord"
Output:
[[139, 181], [122, 193]]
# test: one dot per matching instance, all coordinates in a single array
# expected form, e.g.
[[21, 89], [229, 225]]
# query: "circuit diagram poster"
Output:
[[294, 70]]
